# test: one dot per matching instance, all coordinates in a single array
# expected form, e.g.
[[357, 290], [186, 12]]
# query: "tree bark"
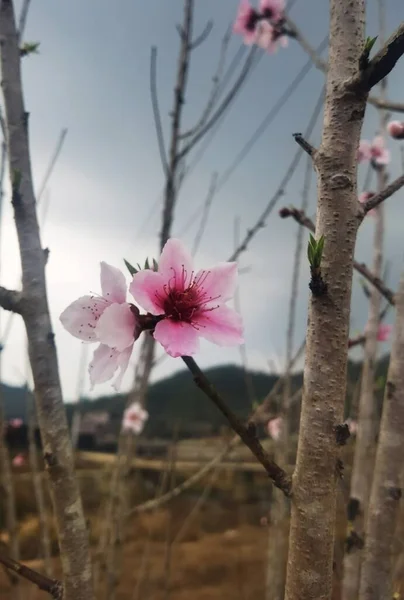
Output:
[[376, 573], [72, 532], [311, 541]]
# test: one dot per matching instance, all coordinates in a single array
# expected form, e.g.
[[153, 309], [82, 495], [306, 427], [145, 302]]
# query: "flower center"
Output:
[[252, 20]]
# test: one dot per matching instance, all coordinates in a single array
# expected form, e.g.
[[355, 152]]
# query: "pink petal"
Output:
[[222, 326], [175, 264], [364, 151], [396, 129], [80, 318], [113, 283], [244, 13], [177, 339], [105, 362], [378, 144], [123, 362], [383, 158], [116, 326], [276, 6], [147, 288], [218, 283]]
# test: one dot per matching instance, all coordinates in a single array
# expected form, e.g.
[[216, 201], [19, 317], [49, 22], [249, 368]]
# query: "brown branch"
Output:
[[388, 191], [323, 66], [156, 109], [52, 586], [301, 218], [11, 300], [359, 340], [384, 61], [304, 144], [278, 476]]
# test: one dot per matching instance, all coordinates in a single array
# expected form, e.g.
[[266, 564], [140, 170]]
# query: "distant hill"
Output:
[[177, 402]]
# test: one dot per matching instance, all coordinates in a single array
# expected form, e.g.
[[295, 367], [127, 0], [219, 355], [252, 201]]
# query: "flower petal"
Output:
[[177, 338], [175, 264], [80, 318], [147, 288], [364, 151], [123, 362], [113, 283], [103, 365], [116, 326], [222, 326], [217, 284]]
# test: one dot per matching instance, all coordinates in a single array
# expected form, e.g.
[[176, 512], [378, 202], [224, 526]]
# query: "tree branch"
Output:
[[11, 300], [322, 65], [302, 219], [52, 586], [384, 61], [304, 144], [278, 476], [156, 109], [388, 191], [202, 36]]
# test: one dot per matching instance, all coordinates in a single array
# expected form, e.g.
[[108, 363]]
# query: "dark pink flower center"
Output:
[[184, 302], [251, 20]]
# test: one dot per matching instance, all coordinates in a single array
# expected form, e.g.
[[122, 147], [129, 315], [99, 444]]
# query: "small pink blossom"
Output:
[[364, 197], [396, 129], [15, 423], [107, 319], [268, 38], [190, 305], [384, 332], [18, 460], [264, 521], [274, 427], [134, 418], [376, 152], [352, 426], [272, 10], [246, 20]]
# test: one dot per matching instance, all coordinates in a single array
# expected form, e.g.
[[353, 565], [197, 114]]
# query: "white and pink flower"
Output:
[[374, 151], [272, 10], [384, 333], [396, 129], [109, 320], [191, 305], [18, 460], [246, 21], [274, 428], [134, 418], [268, 38], [15, 423], [352, 426]]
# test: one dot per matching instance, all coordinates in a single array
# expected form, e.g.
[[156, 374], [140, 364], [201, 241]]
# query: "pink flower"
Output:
[[18, 460], [268, 37], [352, 426], [246, 21], [107, 319], [274, 427], [396, 129], [272, 9], [134, 418], [375, 152], [364, 197], [15, 423], [190, 305], [384, 332]]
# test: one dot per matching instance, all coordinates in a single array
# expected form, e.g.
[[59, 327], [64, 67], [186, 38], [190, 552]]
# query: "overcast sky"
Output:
[[92, 76]]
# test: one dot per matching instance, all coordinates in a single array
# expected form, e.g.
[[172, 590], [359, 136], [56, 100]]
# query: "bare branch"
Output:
[[52, 586], [156, 109], [388, 191], [278, 476], [304, 144], [260, 223], [202, 37], [11, 300], [204, 220], [384, 61], [322, 65], [52, 164], [301, 218], [23, 19]]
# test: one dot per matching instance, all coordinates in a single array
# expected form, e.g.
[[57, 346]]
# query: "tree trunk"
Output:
[[72, 532], [376, 574], [311, 541]]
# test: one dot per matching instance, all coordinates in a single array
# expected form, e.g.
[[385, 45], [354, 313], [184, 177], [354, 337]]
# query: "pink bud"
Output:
[[384, 332], [396, 129]]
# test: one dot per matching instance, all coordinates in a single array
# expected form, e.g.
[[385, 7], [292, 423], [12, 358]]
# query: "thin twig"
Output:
[[308, 148], [23, 19], [156, 109], [384, 61], [52, 586], [205, 215], [202, 36], [51, 165], [278, 476], [301, 218], [388, 191], [11, 300]]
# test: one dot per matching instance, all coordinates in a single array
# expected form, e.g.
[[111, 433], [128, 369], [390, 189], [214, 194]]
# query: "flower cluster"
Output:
[[374, 151], [263, 27], [182, 305]]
